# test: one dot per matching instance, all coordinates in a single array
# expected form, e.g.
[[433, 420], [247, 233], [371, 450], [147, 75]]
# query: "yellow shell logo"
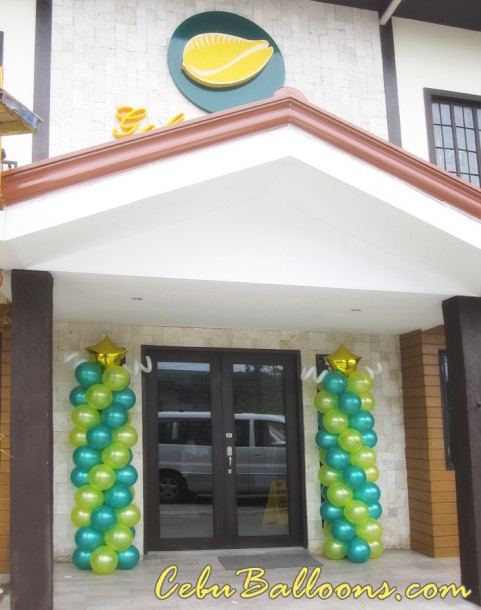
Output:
[[223, 60]]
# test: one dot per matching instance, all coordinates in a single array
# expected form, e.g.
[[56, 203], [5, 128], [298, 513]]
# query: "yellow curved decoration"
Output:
[[223, 60]]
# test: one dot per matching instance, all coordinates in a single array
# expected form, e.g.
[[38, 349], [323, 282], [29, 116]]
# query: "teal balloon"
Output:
[[362, 421], [87, 374], [99, 436], [375, 510], [88, 538], [86, 457], [127, 475], [330, 513], [115, 416], [349, 403], [354, 476], [125, 398], [79, 476], [369, 438], [319, 420], [343, 530], [337, 458], [367, 493], [81, 559], [118, 496], [358, 550], [129, 558], [324, 489], [334, 382], [77, 396], [326, 440], [103, 518]]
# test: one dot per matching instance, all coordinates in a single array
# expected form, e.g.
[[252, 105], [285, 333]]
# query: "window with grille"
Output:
[[455, 135]]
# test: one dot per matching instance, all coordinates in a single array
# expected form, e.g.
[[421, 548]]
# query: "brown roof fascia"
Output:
[[287, 107]]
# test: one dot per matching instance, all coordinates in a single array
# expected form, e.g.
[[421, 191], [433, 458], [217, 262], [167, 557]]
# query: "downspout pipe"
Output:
[[388, 13]]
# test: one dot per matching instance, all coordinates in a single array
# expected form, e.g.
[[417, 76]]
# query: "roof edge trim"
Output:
[[287, 107]]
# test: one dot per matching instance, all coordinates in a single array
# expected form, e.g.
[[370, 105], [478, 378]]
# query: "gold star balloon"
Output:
[[343, 360], [106, 353]]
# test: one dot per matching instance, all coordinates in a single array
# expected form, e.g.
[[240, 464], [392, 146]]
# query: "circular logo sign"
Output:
[[219, 60]]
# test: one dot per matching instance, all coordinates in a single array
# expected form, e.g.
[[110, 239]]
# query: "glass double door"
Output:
[[222, 449]]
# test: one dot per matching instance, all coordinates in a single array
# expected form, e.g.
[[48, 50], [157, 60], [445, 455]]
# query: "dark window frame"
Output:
[[449, 97]]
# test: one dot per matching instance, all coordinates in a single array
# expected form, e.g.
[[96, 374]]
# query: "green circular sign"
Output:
[[249, 63]]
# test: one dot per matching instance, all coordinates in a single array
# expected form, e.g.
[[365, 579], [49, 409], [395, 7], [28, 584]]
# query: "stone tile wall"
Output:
[[74, 337], [108, 53]]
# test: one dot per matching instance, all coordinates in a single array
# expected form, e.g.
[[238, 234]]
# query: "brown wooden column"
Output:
[[462, 323], [31, 544]]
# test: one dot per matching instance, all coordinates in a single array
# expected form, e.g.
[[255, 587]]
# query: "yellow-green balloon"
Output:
[[328, 528], [363, 457], [372, 473], [116, 377], [334, 549], [350, 440], [88, 498], [339, 494], [325, 401], [116, 455], [359, 382], [101, 477], [104, 560], [84, 417], [367, 402], [80, 517], [126, 435], [335, 421], [356, 512], [77, 437], [377, 548], [119, 537], [129, 516], [328, 475], [370, 530], [322, 456], [99, 396]]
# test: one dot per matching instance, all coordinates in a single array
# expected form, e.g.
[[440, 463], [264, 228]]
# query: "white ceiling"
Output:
[[277, 231]]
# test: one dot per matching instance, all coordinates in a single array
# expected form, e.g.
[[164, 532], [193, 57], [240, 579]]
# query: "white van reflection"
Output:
[[185, 453]]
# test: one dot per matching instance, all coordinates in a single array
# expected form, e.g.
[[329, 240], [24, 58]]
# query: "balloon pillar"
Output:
[[348, 474], [103, 437]]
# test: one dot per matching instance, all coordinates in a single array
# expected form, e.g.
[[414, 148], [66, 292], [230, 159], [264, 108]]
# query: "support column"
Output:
[[462, 323], [31, 546]]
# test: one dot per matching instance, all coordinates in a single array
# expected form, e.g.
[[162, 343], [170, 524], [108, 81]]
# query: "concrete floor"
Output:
[[135, 589]]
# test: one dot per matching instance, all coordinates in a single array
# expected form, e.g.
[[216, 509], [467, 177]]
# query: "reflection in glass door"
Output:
[[222, 447]]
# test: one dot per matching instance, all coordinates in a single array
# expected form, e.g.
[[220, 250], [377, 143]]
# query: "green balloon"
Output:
[[377, 548], [335, 421], [84, 417], [351, 440], [80, 517], [77, 437], [325, 401], [116, 455], [129, 516], [356, 512], [367, 402], [116, 378], [370, 530], [88, 498], [119, 537], [99, 396], [339, 494], [372, 473], [334, 549], [126, 435], [101, 477], [363, 457], [359, 382], [104, 560], [328, 475]]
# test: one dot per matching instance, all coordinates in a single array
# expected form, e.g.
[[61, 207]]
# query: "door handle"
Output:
[[229, 452]]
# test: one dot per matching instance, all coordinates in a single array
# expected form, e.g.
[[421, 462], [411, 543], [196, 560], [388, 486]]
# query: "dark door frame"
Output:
[[296, 466]]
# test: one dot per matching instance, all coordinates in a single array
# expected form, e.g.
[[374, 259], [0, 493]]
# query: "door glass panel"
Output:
[[261, 473], [185, 449]]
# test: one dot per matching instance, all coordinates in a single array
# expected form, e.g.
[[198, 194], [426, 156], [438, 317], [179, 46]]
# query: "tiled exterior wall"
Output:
[[432, 488], [5, 445], [107, 53], [74, 337]]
